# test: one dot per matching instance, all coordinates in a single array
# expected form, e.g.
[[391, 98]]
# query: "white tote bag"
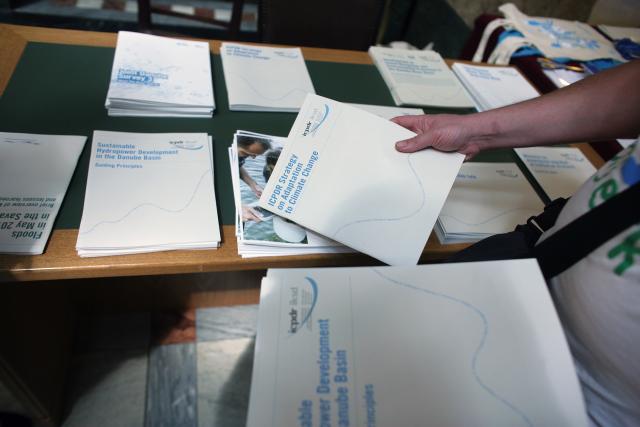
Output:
[[555, 38]]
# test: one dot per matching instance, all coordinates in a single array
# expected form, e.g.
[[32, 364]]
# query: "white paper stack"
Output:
[[340, 175], [494, 87], [160, 77], [472, 344], [260, 232], [562, 78], [560, 171], [148, 193], [619, 33], [35, 171], [486, 199], [260, 78], [419, 78]]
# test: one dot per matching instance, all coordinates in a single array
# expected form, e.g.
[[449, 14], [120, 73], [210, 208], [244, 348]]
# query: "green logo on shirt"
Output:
[[628, 249]]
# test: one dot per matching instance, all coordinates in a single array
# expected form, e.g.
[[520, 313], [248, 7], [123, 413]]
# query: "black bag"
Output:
[[566, 246]]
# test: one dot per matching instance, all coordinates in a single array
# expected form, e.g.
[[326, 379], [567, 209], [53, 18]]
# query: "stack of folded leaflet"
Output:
[[486, 199], [148, 193], [493, 87], [160, 77]]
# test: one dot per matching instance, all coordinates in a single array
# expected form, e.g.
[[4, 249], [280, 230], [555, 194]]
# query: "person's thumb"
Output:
[[417, 143]]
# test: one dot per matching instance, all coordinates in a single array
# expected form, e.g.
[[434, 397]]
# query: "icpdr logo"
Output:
[[186, 145], [507, 173], [302, 301], [571, 157], [316, 119]]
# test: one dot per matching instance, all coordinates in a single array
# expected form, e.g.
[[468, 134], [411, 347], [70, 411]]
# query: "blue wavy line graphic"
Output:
[[314, 288], [115, 221], [261, 95], [422, 203], [476, 353], [490, 218], [326, 114], [20, 141], [188, 148]]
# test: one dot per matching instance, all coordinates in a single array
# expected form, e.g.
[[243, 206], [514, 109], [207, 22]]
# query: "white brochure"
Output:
[[35, 171], [341, 176], [148, 192], [160, 76], [619, 33], [470, 344], [494, 87], [486, 199], [388, 112], [261, 78], [417, 77], [560, 171]]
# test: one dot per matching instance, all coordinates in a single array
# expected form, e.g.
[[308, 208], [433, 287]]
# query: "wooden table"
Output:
[[60, 260]]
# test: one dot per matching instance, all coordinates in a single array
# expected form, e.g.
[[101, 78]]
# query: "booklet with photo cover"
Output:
[[260, 232], [340, 175]]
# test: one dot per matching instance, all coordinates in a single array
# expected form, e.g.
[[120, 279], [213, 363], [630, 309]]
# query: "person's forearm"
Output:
[[604, 106], [244, 175]]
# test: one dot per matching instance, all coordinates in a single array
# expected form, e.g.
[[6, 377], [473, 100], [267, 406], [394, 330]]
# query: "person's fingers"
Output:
[[417, 143], [409, 122], [253, 214]]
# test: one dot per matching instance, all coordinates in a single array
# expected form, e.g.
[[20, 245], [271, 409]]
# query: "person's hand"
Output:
[[250, 214], [443, 132], [257, 189]]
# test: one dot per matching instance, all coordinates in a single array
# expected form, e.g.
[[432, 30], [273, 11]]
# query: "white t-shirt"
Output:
[[598, 300]]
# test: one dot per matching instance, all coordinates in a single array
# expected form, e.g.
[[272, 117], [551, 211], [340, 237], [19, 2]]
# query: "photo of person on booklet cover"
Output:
[[257, 156]]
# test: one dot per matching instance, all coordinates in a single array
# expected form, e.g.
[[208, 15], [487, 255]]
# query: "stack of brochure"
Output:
[[340, 175], [419, 78], [560, 171], [260, 232], [472, 344], [35, 171], [486, 199], [160, 77], [148, 193], [263, 78], [494, 87], [619, 33]]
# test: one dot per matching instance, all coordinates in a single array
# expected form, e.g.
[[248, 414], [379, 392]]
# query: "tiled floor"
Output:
[[163, 369]]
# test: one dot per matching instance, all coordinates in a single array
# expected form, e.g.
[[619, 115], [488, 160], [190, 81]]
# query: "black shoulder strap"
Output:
[[580, 237]]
